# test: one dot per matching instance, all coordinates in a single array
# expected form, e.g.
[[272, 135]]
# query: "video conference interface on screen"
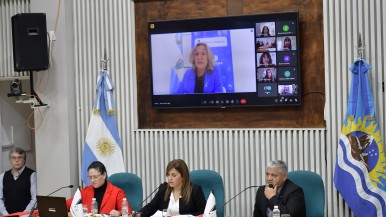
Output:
[[258, 63]]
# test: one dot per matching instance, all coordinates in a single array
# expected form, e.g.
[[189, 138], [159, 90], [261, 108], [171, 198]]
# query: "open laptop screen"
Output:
[[51, 206]]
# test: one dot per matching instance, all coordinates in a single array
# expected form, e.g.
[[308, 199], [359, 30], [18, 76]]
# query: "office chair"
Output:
[[132, 185], [313, 187], [210, 180]]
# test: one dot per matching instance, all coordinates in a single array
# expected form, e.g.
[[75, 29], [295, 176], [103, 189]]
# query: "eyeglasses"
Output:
[[17, 157], [93, 177]]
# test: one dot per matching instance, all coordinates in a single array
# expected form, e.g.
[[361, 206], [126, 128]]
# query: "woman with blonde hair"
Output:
[[204, 76]]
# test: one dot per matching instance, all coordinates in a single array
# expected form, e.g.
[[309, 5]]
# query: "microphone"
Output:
[[252, 186], [33, 207], [69, 186], [139, 205]]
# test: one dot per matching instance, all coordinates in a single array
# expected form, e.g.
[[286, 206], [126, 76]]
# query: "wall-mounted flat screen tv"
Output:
[[235, 61]]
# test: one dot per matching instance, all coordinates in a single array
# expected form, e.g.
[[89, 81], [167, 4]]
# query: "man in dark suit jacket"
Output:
[[279, 191]]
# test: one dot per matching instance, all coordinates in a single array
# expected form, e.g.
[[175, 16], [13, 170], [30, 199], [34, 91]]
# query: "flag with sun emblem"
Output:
[[360, 170], [102, 141]]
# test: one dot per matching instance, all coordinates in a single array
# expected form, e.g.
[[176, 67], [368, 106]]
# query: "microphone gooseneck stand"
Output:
[[34, 206]]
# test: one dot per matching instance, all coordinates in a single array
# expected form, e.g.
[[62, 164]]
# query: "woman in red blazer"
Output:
[[108, 196]]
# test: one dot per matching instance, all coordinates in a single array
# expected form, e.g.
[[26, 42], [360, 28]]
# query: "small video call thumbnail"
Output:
[[265, 44], [286, 28], [286, 43], [287, 58], [266, 59], [288, 89], [267, 89], [287, 74], [266, 75], [265, 29]]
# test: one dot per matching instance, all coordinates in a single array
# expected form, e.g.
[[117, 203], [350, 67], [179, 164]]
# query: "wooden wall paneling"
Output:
[[309, 114]]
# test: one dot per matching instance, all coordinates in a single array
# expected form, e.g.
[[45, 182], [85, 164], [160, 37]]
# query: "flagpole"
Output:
[[360, 47], [104, 61]]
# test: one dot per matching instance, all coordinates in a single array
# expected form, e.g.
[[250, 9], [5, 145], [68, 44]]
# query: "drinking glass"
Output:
[[136, 214], [85, 209], [165, 213]]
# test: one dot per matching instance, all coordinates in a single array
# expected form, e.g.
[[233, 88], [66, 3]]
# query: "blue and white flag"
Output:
[[102, 141], [174, 82], [360, 170]]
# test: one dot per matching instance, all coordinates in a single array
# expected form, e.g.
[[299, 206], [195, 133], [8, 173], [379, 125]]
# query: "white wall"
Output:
[[56, 149], [14, 130]]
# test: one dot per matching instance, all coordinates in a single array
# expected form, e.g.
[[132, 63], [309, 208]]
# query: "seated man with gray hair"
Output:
[[279, 191], [17, 185]]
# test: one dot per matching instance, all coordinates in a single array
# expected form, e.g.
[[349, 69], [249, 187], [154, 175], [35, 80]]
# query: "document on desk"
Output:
[[159, 214]]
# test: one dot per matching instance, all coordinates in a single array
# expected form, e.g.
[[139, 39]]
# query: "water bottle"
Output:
[[94, 206], [125, 208], [276, 211]]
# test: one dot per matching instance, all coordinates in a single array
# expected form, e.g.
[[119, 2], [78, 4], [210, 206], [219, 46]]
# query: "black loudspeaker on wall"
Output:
[[29, 37]]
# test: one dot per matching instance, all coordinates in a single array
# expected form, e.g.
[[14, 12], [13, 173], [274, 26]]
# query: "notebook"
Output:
[[52, 206]]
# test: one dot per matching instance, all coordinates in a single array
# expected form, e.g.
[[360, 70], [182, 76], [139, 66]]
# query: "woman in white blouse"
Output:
[[179, 196]]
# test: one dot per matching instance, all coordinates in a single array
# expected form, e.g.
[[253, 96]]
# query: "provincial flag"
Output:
[[360, 170], [102, 141]]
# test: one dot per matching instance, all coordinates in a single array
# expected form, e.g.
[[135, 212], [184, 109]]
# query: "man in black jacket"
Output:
[[17, 185], [279, 191]]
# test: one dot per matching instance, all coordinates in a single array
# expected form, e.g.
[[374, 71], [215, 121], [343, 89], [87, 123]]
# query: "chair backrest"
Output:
[[132, 185], [313, 187], [210, 180]]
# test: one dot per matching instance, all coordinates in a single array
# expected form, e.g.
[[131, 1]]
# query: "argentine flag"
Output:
[[102, 141], [360, 168]]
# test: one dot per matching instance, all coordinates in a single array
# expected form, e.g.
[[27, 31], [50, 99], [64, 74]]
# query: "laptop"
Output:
[[52, 206]]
